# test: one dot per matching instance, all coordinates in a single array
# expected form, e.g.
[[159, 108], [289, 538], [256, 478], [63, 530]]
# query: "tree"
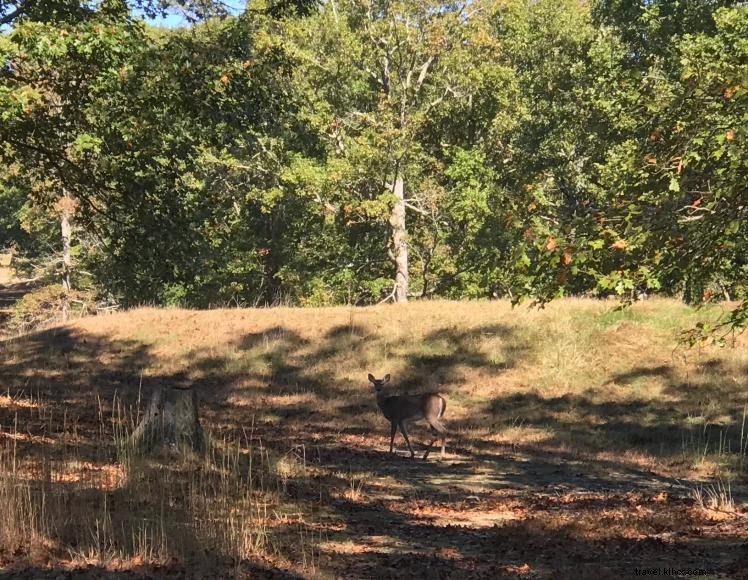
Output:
[[647, 194], [75, 11], [168, 140], [679, 178], [381, 149], [375, 75], [50, 78]]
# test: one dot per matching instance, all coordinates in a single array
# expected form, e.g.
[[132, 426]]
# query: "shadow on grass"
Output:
[[74, 377], [458, 349], [708, 415]]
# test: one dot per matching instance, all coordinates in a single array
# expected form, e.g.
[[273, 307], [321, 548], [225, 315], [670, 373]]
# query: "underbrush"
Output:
[[47, 305]]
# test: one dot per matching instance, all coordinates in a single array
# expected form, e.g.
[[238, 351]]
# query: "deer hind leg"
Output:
[[440, 432], [431, 443], [404, 431]]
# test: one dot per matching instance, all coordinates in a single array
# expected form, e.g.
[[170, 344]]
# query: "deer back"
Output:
[[400, 407]]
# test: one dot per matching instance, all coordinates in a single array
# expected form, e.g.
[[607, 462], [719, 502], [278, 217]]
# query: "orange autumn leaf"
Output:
[[729, 92], [730, 135], [619, 245], [551, 245], [566, 258]]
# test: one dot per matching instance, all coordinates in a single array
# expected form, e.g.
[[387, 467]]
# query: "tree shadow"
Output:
[[146, 572], [60, 418], [349, 338], [583, 531], [456, 349], [664, 371], [692, 415], [282, 351], [300, 405], [61, 384]]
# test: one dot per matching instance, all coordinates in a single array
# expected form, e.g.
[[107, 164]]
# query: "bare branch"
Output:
[[408, 77], [424, 72], [416, 208], [326, 204], [334, 10], [390, 296]]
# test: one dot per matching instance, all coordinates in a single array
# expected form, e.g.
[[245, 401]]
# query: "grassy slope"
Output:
[[577, 397]]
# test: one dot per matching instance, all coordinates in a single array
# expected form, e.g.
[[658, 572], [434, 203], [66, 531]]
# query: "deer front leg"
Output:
[[393, 432], [404, 431]]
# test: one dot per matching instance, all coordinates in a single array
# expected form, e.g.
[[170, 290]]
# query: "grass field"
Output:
[[584, 441]]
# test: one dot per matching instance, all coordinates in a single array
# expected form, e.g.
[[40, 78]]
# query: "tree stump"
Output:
[[171, 420]]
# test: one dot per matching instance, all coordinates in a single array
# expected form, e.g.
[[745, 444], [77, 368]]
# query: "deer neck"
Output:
[[382, 397]]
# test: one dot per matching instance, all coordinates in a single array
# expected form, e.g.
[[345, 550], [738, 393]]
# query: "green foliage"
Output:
[[647, 194], [45, 305], [547, 148], [12, 200]]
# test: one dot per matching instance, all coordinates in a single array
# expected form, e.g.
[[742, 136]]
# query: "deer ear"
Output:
[[372, 379], [387, 378]]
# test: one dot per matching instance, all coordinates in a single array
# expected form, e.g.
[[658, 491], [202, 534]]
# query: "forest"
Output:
[[355, 151]]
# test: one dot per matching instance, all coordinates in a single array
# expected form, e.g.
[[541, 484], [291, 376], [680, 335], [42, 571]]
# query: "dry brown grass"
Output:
[[576, 400]]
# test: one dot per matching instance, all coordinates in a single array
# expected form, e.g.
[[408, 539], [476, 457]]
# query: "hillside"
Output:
[[583, 438]]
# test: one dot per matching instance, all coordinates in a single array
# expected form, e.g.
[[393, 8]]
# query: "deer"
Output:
[[399, 410]]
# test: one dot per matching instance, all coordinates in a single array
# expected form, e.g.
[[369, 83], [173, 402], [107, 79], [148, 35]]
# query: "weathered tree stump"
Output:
[[171, 420]]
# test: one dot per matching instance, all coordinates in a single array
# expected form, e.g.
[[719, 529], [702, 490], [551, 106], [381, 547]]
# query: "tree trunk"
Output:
[[171, 420], [273, 261], [66, 260], [400, 241], [66, 235], [65, 232]]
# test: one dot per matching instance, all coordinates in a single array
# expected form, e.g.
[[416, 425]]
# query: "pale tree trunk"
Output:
[[66, 207], [66, 260], [399, 241]]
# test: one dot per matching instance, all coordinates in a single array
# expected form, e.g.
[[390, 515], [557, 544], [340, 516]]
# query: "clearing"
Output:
[[585, 441]]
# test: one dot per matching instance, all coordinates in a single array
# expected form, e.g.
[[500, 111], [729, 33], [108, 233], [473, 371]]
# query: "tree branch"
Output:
[[390, 296], [424, 72], [416, 208]]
